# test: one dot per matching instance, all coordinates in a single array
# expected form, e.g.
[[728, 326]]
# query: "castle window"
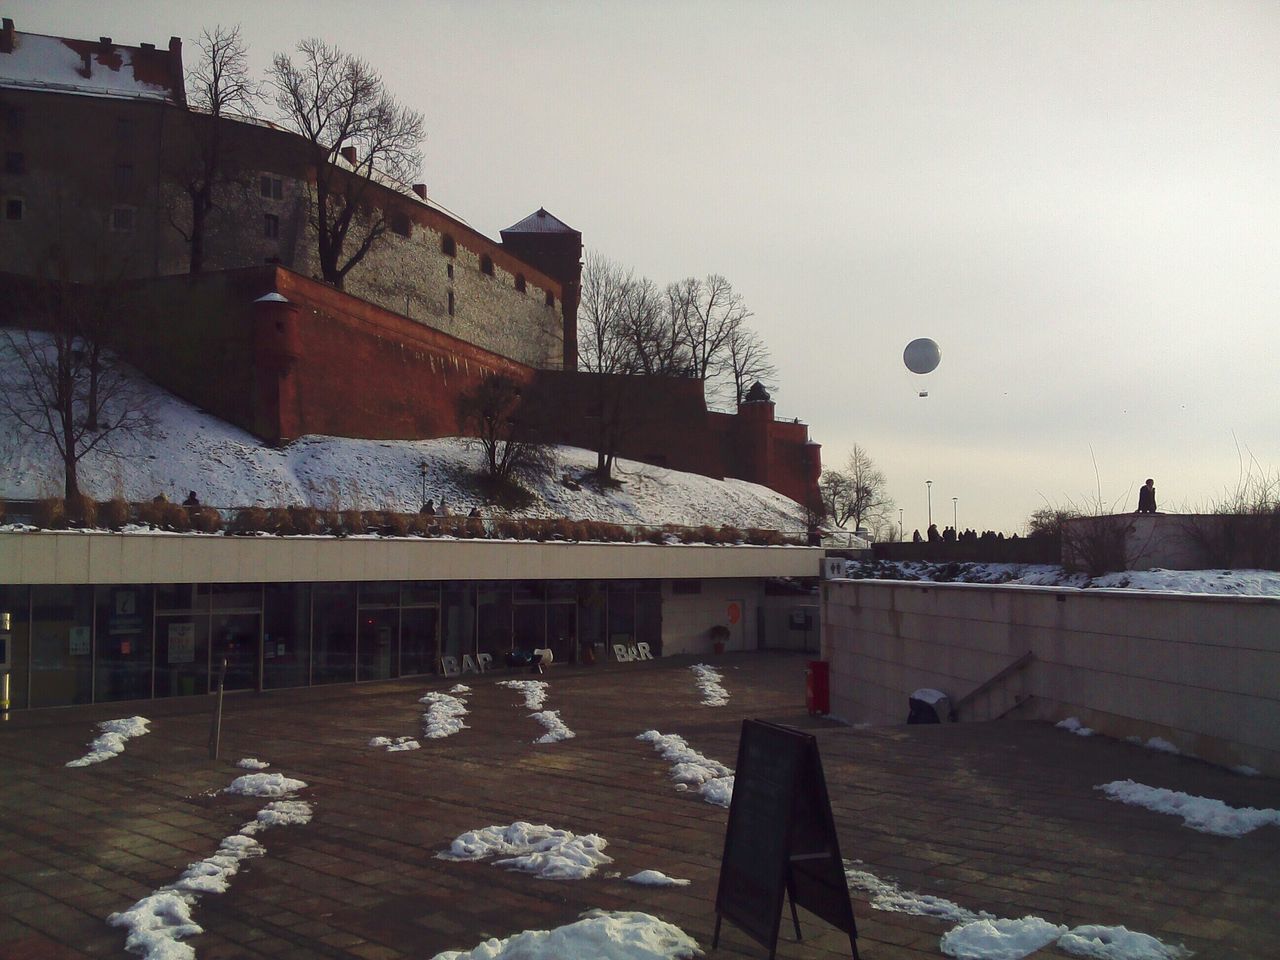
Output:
[[448, 268], [14, 119], [401, 224], [123, 219], [486, 264], [551, 299], [14, 208], [271, 188], [448, 247], [15, 162], [124, 176], [520, 282], [451, 303], [270, 226]]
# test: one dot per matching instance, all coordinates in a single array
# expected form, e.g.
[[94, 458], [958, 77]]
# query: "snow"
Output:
[[599, 935], [39, 62], [392, 746], [1246, 771], [886, 895], [535, 695], [708, 679], [535, 691], [689, 768], [999, 939], [272, 297], [161, 920], [459, 688], [110, 743], [1252, 583], [443, 717], [265, 785], [227, 467], [928, 695], [251, 763], [1116, 943], [547, 853], [556, 729], [655, 878], [1073, 725], [1199, 813], [1155, 743]]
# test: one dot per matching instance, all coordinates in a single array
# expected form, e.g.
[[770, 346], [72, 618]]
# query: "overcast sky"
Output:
[[1079, 201]]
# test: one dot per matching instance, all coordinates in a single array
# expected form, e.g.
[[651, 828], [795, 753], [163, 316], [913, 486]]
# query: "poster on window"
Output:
[[182, 642], [79, 641]]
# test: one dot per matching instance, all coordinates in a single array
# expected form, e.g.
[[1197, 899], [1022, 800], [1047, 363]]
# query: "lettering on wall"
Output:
[[624, 653]]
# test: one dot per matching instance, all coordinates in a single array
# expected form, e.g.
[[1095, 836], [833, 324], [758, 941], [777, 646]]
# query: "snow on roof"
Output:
[[540, 222], [38, 62], [272, 297]]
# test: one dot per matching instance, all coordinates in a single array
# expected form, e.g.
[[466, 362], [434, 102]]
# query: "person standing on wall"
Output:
[[1147, 497]]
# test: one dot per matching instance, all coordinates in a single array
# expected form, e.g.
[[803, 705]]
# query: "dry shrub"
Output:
[[474, 528], [306, 520], [420, 524], [729, 534], [280, 521], [51, 513], [374, 521], [702, 534], [658, 536], [397, 524], [563, 529], [508, 529], [764, 538], [152, 511], [249, 520], [82, 511], [176, 518], [450, 526], [115, 513], [614, 533], [332, 521], [352, 522], [205, 519], [1, 511]]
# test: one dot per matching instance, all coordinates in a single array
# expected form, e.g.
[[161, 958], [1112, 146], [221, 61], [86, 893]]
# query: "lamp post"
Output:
[[928, 490], [901, 533], [422, 469], [955, 523]]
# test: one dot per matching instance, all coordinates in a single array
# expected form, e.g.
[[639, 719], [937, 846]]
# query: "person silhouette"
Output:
[[1147, 497]]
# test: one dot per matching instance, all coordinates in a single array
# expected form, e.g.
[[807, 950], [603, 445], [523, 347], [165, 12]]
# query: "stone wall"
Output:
[[1198, 671]]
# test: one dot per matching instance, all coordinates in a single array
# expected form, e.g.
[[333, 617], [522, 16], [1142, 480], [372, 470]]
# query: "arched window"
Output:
[[551, 299], [486, 264], [448, 247], [520, 282]]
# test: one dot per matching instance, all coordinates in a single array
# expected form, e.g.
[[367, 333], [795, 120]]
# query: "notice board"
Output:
[[781, 838]]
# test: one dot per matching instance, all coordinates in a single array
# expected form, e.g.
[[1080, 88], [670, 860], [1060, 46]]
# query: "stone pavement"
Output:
[[1000, 817]]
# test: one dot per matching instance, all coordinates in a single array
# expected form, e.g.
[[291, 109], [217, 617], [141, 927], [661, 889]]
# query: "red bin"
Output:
[[817, 687]]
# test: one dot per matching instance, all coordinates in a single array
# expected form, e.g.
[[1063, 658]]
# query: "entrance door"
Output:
[[235, 636], [735, 613]]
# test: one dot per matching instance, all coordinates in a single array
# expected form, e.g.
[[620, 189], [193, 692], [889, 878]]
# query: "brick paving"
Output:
[[1000, 817]]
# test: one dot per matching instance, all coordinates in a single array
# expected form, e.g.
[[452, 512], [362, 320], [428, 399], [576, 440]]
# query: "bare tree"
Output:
[[357, 134], [606, 352], [747, 361], [709, 311], [506, 423], [218, 86], [656, 339], [71, 390], [857, 493]]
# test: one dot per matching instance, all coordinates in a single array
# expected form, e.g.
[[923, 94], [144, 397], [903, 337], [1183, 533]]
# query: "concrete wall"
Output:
[[1173, 541], [1200, 671], [687, 619]]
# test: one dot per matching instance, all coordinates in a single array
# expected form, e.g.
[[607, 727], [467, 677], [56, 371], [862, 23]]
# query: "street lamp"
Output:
[[901, 534], [422, 469], [928, 490], [955, 523]]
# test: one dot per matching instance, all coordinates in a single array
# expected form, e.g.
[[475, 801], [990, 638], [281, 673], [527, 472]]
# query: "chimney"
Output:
[[421, 190], [177, 79], [104, 43], [6, 37], [349, 155], [148, 46]]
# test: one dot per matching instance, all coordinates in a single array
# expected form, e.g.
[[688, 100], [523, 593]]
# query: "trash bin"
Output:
[[817, 687], [927, 705]]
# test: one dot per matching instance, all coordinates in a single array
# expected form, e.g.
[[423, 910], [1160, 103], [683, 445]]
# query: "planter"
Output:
[[718, 647]]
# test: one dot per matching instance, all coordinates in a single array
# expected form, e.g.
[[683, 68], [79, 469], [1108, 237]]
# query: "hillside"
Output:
[[226, 467]]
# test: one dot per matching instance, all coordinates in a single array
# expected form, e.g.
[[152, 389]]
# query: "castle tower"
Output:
[[555, 248], [276, 348], [755, 434]]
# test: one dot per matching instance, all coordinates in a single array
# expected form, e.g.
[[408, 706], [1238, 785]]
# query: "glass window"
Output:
[[530, 591], [175, 597], [16, 601], [15, 119], [61, 645], [458, 620], [562, 631], [379, 638], [182, 655], [271, 188], [286, 635], [649, 620], [14, 208], [235, 636], [593, 606], [418, 633], [493, 607], [235, 596], [486, 264], [15, 162], [529, 626], [122, 219], [622, 612], [382, 594], [333, 636], [122, 659], [124, 176], [414, 593], [270, 226], [448, 247]]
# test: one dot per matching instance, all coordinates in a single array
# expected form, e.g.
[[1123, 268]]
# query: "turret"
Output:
[[555, 248]]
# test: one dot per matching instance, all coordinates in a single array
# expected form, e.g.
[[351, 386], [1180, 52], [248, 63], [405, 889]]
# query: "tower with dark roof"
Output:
[[555, 248]]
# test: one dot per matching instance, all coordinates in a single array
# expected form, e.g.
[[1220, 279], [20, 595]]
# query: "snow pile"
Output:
[[1198, 813], [983, 936], [708, 679], [40, 62], [1073, 725], [656, 878], [459, 688], [999, 939], [161, 920], [538, 849], [110, 743], [1155, 743], [556, 729], [264, 785], [1250, 583], [535, 691], [444, 715], [399, 743], [251, 763], [688, 767], [599, 935]]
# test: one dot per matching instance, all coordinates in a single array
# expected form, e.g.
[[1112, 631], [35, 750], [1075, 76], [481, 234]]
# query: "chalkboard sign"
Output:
[[780, 838]]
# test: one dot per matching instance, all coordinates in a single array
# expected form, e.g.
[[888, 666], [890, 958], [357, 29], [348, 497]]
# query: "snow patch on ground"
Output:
[[459, 688], [535, 696], [656, 878], [110, 743], [556, 729], [1199, 813], [252, 763], [708, 679], [1117, 943], [1155, 743], [689, 768], [1246, 771], [399, 743], [444, 715], [265, 785], [599, 935], [886, 895], [999, 939], [534, 691], [1073, 725], [539, 849]]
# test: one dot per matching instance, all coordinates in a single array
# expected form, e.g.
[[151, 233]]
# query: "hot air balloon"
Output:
[[922, 356]]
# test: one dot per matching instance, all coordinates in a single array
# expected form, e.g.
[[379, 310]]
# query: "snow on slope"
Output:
[[226, 467]]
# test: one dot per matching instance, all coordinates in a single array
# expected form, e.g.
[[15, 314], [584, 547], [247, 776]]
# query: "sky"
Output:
[[1077, 201]]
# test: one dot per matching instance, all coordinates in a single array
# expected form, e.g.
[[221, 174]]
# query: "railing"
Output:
[[990, 684]]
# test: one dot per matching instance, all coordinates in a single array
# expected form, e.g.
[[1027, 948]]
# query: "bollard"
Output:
[[6, 641], [215, 731]]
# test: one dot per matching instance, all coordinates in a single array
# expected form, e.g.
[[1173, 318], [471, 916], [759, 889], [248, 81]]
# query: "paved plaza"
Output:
[[1001, 817]]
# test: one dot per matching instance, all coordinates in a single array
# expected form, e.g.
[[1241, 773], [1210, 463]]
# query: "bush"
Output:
[[728, 534], [205, 519], [765, 538], [474, 529], [175, 517], [331, 521], [152, 511], [306, 520], [249, 520], [115, 513], [374, 521], [280, 522], [508, 529], [397, 524], [51, 513], [352, 522], [82, 512]]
